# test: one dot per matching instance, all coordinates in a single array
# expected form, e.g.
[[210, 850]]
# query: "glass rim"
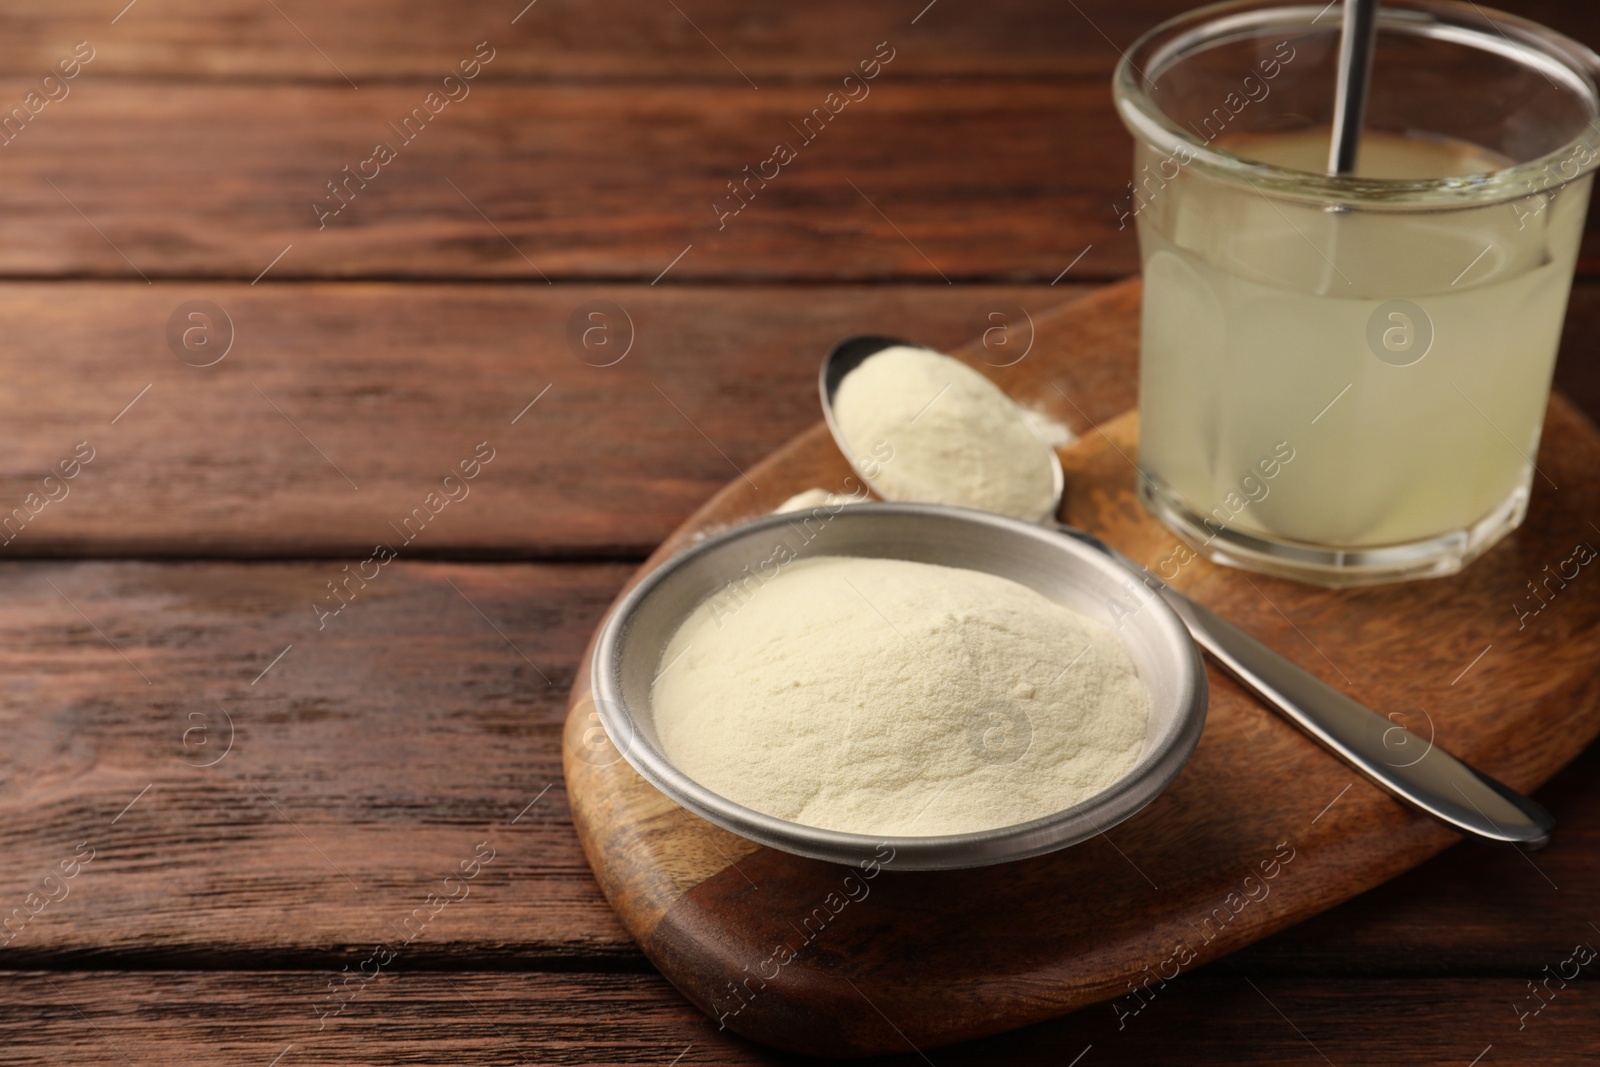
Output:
[[1558, 58]]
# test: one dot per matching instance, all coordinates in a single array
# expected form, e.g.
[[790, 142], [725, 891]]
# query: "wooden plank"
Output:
[[568, 40], [985, 180], [471, 1017], [995, 177], [708, 40], [406, 732], [394, 386], [935, 182], [960, 180], [243, 781]]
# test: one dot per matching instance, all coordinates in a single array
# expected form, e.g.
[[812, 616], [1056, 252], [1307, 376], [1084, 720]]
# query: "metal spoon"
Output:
[[1356, 39], [1435, 782], [849, 354]]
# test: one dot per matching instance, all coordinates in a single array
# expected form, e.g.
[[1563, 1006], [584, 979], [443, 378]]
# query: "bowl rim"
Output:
[[1146, 780]]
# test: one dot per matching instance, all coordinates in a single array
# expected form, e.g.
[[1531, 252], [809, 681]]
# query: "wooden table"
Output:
[[242, 748]]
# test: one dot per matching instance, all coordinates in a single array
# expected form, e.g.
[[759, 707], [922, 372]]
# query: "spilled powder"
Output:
[[807, 499]]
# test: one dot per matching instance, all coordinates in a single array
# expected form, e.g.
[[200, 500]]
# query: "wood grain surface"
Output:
[[340, 407], [210, 923], [219, 181], [621, 41], [254, 787], [204, 870], [475, 1017], [395, 384], [571, 41], [943, 957]]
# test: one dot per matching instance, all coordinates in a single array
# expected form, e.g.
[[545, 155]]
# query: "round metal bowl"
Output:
[[629, 652]]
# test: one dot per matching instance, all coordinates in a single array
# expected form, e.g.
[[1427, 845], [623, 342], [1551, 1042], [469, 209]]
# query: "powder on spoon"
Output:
[[883, 696], [957, 439]]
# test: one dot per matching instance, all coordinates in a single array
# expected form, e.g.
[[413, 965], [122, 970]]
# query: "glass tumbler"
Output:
[[1343, 379]]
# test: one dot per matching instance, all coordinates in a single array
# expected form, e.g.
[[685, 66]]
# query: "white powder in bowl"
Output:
[[889, 697], [957, 439]]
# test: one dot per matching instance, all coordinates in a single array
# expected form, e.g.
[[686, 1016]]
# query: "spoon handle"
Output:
[[1434, 782], [1350, 90], [1413, 769]]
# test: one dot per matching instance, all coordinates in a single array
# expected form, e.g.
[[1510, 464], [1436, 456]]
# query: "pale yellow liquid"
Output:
[[1256, 318]]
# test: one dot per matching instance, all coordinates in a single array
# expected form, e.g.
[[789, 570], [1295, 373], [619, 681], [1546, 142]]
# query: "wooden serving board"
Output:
[[1262, 828]]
